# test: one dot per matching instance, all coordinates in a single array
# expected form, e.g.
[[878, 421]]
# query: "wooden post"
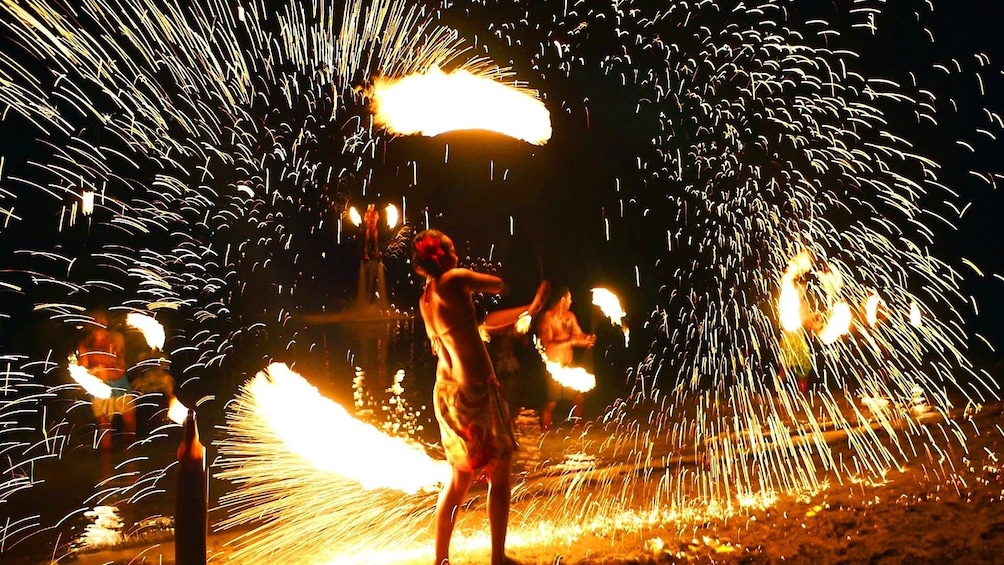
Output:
[[191, 505]]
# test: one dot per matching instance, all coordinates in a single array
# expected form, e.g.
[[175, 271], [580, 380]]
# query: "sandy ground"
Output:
[[938, 508]]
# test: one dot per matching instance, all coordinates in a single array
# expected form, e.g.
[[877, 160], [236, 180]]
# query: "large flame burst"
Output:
[[189, 157]]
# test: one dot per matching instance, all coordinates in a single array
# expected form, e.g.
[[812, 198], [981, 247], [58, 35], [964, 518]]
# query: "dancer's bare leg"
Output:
[[450, 497], [499, 491]]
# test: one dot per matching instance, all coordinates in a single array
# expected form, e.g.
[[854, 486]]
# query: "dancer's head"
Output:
[[432, 253]]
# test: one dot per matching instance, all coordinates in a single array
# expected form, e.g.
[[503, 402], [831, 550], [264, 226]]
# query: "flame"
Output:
[[392, 216], [522, 324], [915, 314], [177, 411], [152, 330], [610, 305], [354, 216], [93, 385], [790, 301], [871, 308], [87, 202], [575, 378], [434, 102], [838, 324], [324, 434], [790, 305]]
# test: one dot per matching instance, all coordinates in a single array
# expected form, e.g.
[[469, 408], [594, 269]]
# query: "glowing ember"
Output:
[[93, 385], [324, 434], [915, 319], [87, 202], [152, 330], [434, 102]]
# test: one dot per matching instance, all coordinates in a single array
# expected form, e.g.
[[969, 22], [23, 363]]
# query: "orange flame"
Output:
[[871, 308], [392, 216], [434, 102], [152, 330], [87, 202], [838, 324], [93, 385], [790, 301], [575, 378], [325, 435], [610, 305], [354, 216], [177, 411]]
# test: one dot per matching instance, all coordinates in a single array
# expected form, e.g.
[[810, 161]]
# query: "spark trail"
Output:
[[758, 134], [214, 137], [183, 159]]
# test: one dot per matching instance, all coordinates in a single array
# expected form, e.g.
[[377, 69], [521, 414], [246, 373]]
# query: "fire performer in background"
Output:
[[102, 353], [559, 334], [371, 233], [470, 405]]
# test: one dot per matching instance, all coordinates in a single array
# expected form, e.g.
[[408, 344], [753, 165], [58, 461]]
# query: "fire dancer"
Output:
[[470, 405], [371, 231], [102, 353], [559, 334]]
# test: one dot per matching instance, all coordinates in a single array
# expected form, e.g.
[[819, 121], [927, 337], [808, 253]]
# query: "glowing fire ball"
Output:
[[434, 102]]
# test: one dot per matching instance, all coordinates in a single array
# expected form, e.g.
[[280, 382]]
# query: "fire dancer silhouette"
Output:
[[470, 405], [102, 353], [371, 233]]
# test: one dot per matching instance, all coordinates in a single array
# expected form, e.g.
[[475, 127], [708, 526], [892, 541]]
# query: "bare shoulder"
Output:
[[470, 280]]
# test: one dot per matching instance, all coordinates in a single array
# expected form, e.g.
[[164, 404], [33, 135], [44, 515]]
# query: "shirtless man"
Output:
[[102, 353], [559, 334]]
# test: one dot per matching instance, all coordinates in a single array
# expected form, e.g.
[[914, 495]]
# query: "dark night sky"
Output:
[[560, 194]]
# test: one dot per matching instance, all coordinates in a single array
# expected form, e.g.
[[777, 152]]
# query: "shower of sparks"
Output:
[[312, 481], [323, 434], [216, 140], [211, 143], [435, 102]]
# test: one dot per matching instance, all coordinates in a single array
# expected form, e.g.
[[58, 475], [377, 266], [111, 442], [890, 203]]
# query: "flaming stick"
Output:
[[155, 336]]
